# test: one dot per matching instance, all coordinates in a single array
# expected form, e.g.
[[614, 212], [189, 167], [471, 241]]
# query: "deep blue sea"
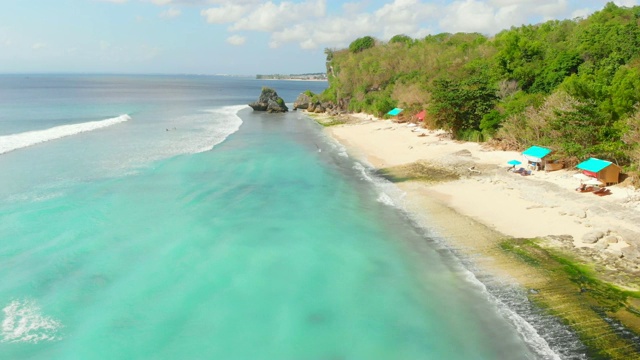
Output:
[[159, 217]]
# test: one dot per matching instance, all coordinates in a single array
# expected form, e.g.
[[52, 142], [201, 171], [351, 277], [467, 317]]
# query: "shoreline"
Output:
[[487, 213]]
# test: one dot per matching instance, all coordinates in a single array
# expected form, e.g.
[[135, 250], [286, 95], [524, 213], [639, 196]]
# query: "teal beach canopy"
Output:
[[536, 152], [395, 111], [593, 165]]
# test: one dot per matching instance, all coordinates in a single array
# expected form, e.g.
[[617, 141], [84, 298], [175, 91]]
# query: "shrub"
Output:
[[361, 44]]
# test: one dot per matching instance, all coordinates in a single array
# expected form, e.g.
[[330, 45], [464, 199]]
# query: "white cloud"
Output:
[[271, 17], [551, 9], [353, 7], [161, 2], [331, 32], [628, 3], [403, 17], [491, 16], [508, 2], [311, 24], [468, 16], [236, 40], [38, 46], [170, 13], [227, 13], [581, 13]]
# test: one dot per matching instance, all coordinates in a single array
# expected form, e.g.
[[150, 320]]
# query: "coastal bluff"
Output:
[[269, 101]]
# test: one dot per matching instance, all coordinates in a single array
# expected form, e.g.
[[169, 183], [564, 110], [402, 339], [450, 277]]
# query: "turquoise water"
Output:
[[271, 244]]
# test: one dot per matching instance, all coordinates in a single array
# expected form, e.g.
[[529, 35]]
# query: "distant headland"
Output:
[[306, 77]]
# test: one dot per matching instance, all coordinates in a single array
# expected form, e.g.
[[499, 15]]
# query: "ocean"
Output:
[[159, 217]]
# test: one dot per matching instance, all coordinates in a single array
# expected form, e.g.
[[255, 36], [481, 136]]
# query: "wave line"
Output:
[[30, 138]]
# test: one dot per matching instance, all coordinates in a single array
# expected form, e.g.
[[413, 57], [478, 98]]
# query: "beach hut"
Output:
[[535, 156], [605, 171]]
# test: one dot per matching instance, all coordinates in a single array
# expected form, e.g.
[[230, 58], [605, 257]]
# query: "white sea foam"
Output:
[[363, 172], [30, 138], [385, 199], [523, 327], [24, 322], [229, 126], [337, 147], [388, 193]]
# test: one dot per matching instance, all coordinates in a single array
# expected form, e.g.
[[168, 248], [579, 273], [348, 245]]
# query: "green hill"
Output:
[[572, 85]]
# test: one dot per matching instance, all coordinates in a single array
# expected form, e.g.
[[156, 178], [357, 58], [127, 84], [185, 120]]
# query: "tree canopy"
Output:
[[361, 44]]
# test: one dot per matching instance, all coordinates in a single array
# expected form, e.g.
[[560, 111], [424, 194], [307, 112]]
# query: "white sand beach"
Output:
[[544, 204]]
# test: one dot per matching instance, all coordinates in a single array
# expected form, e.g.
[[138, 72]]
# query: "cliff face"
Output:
[[269, 101]]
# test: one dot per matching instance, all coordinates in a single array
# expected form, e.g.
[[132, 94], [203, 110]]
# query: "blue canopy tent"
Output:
[[535, 154], [395, 111], [605, 171]]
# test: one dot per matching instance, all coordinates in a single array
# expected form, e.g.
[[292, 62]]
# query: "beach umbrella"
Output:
[[395, 111], [514, 162]]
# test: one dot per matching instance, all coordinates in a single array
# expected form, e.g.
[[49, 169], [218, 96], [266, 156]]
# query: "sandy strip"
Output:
[[511, 205]]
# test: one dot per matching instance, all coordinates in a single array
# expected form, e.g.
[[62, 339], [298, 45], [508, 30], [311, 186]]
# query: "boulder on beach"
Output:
[[593, 237], [269, 101]]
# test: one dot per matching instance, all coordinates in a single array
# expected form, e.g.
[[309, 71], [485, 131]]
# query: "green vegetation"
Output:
[[362, 44], [572, 85], [572, 292], [327, 121]]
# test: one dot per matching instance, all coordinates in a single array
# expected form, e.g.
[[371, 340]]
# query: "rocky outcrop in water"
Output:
[[269, 101]]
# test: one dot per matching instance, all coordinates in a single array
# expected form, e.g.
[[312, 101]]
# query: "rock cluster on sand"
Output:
[[269, 101], [306, 102]]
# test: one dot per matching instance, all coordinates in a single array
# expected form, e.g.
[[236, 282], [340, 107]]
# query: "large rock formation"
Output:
[[269, 101], [302, 102]]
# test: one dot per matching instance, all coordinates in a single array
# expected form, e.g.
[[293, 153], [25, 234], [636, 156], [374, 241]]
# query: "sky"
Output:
[[238, 37]]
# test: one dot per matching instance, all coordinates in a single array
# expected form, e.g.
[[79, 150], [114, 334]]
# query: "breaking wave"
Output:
[[30, 138], [24, 322]]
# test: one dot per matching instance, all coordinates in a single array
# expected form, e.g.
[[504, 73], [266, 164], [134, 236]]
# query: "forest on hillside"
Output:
[[570, 85]]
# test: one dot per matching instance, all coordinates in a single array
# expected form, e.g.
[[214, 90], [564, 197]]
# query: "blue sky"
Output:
[[239, 37]]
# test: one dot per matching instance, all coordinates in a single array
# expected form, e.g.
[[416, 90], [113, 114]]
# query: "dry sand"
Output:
[[539, 205]]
